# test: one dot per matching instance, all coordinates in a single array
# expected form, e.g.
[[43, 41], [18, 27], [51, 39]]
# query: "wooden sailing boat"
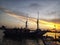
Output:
[[26, 32]]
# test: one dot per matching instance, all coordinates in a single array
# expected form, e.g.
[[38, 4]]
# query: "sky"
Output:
[[13, 13]]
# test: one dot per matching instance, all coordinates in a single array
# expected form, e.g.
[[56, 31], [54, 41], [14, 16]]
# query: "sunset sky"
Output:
[[13, 13]]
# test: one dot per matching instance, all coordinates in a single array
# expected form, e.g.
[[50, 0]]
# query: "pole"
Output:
[[55, 30], [26, 22], [38, 21]]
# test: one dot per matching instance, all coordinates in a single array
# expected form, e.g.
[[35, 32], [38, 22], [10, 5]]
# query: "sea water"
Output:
[[6, 41]]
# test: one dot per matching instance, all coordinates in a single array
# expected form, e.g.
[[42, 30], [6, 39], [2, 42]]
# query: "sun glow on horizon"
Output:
[[32, 22]]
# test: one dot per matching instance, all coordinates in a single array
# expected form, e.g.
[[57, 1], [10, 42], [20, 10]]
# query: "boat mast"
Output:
[[38, 21], [26, 26], [55, 30]]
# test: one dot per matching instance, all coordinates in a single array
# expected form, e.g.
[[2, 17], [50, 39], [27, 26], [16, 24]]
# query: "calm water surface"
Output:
[[7, 41]]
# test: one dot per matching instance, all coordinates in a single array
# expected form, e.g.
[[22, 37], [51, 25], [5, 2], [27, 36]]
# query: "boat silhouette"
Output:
[[25, 32]]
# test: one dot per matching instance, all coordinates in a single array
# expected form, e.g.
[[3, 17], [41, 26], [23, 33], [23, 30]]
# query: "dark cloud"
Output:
[[11, 12], [34, 5], [53, 20], [54, 13]]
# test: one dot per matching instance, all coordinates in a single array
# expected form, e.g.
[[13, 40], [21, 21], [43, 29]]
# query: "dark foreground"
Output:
[[26, 41]]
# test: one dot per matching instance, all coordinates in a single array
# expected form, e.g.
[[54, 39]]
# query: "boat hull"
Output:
[[24, 34]]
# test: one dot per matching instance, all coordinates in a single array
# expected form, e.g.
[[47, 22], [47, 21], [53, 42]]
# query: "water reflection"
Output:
[[9, 41], [18, 41]]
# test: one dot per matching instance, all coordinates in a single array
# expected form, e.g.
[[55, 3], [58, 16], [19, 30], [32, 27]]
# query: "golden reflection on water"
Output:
[[52, 34]]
